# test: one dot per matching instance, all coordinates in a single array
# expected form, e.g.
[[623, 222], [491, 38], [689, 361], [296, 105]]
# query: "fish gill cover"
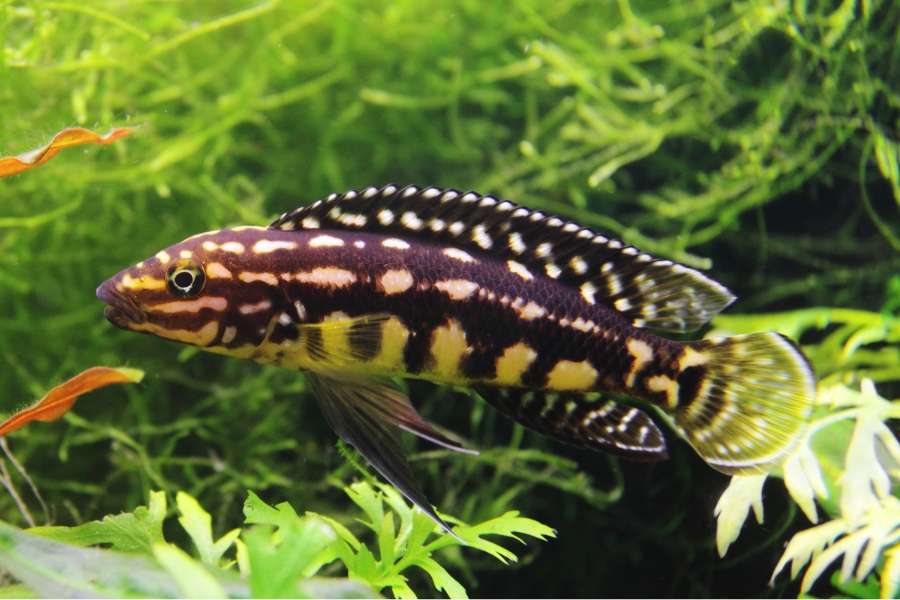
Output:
[[758, 139]]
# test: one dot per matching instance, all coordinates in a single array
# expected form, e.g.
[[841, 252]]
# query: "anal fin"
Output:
[[368, 415], [589, 421]]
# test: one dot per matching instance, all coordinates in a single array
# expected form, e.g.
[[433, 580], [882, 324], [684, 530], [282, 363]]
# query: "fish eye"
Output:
[[185, 278]]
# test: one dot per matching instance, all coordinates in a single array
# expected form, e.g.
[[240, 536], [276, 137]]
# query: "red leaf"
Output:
[[61, 398], [74, 136]]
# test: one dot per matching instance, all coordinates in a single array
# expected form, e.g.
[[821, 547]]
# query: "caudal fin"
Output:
[[751, 402]]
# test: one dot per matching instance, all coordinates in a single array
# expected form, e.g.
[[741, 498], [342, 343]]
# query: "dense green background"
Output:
[[743, 136]]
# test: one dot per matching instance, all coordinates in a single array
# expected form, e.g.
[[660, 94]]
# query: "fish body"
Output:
[[549, 321]]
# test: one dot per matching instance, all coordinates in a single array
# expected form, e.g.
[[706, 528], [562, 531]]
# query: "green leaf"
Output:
[[57, 570], [277, 570], [198, 524], [507, 525], [193, 580], [128, 532], [258, 512]]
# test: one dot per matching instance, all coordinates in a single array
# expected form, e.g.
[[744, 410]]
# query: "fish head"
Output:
[[213, 290]]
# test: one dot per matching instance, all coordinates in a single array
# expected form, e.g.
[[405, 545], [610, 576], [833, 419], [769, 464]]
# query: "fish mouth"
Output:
[[120, 310]]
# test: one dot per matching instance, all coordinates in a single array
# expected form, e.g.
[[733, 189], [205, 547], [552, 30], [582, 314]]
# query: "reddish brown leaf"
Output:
[[62, 397], [74, 136]]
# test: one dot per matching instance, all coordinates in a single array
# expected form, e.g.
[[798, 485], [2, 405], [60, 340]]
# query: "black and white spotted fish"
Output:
[[547, 320]]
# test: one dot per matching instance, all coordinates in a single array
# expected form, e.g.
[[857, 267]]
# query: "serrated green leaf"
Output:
[[507, 525], [441, 578], [278, 570], [386, 540], [127, 532], [193, 580], [259, 513], [370, 501], [198, 524]]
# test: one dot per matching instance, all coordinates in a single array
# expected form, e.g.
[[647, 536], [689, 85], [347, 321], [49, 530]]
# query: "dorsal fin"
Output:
[[652, 293]]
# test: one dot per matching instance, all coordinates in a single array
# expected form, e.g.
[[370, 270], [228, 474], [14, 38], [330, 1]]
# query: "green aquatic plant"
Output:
[[849, 463], [756, 136], [282, 556]]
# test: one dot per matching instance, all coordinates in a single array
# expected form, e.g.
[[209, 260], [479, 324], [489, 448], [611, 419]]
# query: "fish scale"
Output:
[[547, 320]]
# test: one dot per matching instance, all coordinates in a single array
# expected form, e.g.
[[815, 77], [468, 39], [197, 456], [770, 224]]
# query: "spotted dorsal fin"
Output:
[[652, 293]]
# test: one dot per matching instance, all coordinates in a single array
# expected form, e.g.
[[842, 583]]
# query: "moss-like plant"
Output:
[[754, 136]]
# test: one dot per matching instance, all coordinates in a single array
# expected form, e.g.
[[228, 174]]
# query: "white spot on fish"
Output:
[[459, 255], [325, 241], [516, 243], [457, 289], [395, 243], [520, 270], [217, 270], [229, 334], [359, 244], [266, 246], [386, 217], [250, 277], [163, 257]]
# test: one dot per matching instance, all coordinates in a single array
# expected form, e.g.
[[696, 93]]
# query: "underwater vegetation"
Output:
[[756, 139]]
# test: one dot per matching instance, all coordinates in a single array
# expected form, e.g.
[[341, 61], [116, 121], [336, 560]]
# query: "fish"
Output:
[[550, 322]]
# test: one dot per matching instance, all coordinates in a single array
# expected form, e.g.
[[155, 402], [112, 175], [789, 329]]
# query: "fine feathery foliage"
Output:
[[756, 138], [281, 554]]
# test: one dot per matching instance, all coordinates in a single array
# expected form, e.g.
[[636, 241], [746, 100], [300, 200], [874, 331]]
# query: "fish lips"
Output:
[[120, 310]]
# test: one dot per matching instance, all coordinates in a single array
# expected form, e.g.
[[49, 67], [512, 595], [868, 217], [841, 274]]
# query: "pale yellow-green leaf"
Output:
[[734, 505], [890, 574], [193, 580], [864, 480], [803, 479], [807, 545], [198, 523]]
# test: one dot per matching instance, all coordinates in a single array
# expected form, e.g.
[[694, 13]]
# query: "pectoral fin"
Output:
[[368, 415]]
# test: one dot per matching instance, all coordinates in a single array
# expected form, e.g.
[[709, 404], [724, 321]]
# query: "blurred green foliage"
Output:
[[759, 136]]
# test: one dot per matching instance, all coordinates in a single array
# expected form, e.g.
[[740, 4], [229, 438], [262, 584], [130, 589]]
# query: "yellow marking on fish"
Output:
[[448, 347], [229, 334], [325, 241], [395, 243], [330, 276], [569, 375], [217, 270], [393, 340], [250, 277], [692, 358], [661, 383], [520, 270], [163, 257], [249, 309], [457, 289], [588, 291], [459, 255], [396, 281], [214, 303], [334, 339], [142, 283], [185, 254], [203, 337], [512, 365], [642, 353], [532, 310], [266, 246]]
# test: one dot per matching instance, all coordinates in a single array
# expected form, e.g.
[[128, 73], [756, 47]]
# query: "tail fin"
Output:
[[751, 402]]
